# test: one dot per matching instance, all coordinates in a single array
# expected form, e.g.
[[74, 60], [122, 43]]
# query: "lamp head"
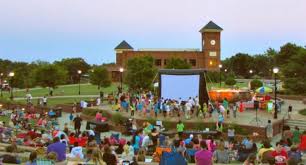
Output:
[[121, 69], [275, 70]]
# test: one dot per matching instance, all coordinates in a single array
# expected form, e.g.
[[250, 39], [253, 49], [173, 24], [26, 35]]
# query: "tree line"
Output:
[[141, 71], [45, 74]]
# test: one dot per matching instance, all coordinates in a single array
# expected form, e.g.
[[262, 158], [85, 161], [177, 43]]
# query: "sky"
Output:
[[50, 30]]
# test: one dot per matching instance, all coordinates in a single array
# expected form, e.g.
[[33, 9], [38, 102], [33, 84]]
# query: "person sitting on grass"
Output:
[[8, 158]]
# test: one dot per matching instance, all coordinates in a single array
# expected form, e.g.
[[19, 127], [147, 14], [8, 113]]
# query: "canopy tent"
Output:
[[263, 90]]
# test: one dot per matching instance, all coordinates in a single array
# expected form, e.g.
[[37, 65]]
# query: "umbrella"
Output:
[[263, 90]]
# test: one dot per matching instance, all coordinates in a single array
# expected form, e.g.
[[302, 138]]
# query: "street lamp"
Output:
[[79, 72], [220, 67], [251, 71], [275, 71], [121, 77], [11, 75], [1, 82]]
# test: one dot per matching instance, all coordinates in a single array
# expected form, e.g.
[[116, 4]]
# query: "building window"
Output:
[[193, 62], [165, 61], [212, 54], [158, 62]]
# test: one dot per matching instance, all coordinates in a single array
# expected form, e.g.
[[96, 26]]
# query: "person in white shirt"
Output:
[[77, 151], [222, 109], [98, 102], [188, 109], [44, 101]]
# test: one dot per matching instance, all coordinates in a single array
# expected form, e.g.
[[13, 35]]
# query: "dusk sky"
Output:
[[50, 30]]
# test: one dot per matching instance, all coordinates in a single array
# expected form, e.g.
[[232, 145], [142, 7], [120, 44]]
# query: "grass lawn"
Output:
[[56, 101], [5, 119], [65, 90], [303, 112]]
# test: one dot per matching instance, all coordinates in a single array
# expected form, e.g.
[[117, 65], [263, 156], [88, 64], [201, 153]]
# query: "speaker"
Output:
[[256, 104]]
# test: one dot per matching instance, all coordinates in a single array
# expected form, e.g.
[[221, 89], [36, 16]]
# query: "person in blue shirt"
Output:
[[136, 141], [156, 108]]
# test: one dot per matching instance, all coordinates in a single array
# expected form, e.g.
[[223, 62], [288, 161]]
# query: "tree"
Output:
[[72, 65], [293, 72], [177, 63], [140, 72], [23, 77], [240, 64], [50, 75], [256, 84], [100, 77], [230, 81]]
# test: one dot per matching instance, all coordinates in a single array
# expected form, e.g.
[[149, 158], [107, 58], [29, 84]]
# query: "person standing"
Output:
[[225, 105], [77, 124], [44, 101], [296, 135], [289, 111], [235, 107], [269, 130], [180, 128]]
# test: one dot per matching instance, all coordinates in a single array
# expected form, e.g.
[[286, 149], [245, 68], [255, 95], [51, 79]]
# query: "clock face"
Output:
[[212, 42]]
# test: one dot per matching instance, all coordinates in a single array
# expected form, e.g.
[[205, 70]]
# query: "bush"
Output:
[[303, 112], [117, 118], [256, 84], [90, 111], [230, 81], [151, 120], [238, 129]]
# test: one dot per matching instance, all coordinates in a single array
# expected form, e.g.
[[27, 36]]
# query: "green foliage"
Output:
[[230, 81], [100, 77], [72, 65], [50, 75], [303, 112], [117, 118], [140, 72], [213, 76], [256, 84], [293, 70], [177, 63], [238, 129], [90, 111], [151, 120]]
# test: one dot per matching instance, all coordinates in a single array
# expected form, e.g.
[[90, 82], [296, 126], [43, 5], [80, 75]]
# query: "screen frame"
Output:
[[203, 93]]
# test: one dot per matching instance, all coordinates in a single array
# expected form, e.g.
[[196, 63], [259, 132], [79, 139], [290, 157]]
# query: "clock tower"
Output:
[[211, 45]]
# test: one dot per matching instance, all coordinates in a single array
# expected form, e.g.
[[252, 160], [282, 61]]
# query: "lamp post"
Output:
[[121, 77], [11, 75], [79, 73], [1, 82], [220, 67], [275, 71]]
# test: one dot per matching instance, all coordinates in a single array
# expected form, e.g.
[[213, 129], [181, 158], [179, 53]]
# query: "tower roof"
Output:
[[124, 45], [211, 26]]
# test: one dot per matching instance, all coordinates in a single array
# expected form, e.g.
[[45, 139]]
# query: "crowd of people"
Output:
[[148, 143]]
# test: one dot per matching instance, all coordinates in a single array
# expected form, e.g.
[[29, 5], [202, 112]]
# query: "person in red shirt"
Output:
[[72, 138], [280, 154], [82, 140], [303, 142]]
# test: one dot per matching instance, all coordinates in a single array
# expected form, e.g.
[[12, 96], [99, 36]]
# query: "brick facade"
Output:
[[207, 58]]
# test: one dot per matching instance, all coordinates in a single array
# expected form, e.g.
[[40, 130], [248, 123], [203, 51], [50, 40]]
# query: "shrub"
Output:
[[117, 118], [151, 120], [256, 84], [303, 112], [238, 129], [230, 81], [90, 111]]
